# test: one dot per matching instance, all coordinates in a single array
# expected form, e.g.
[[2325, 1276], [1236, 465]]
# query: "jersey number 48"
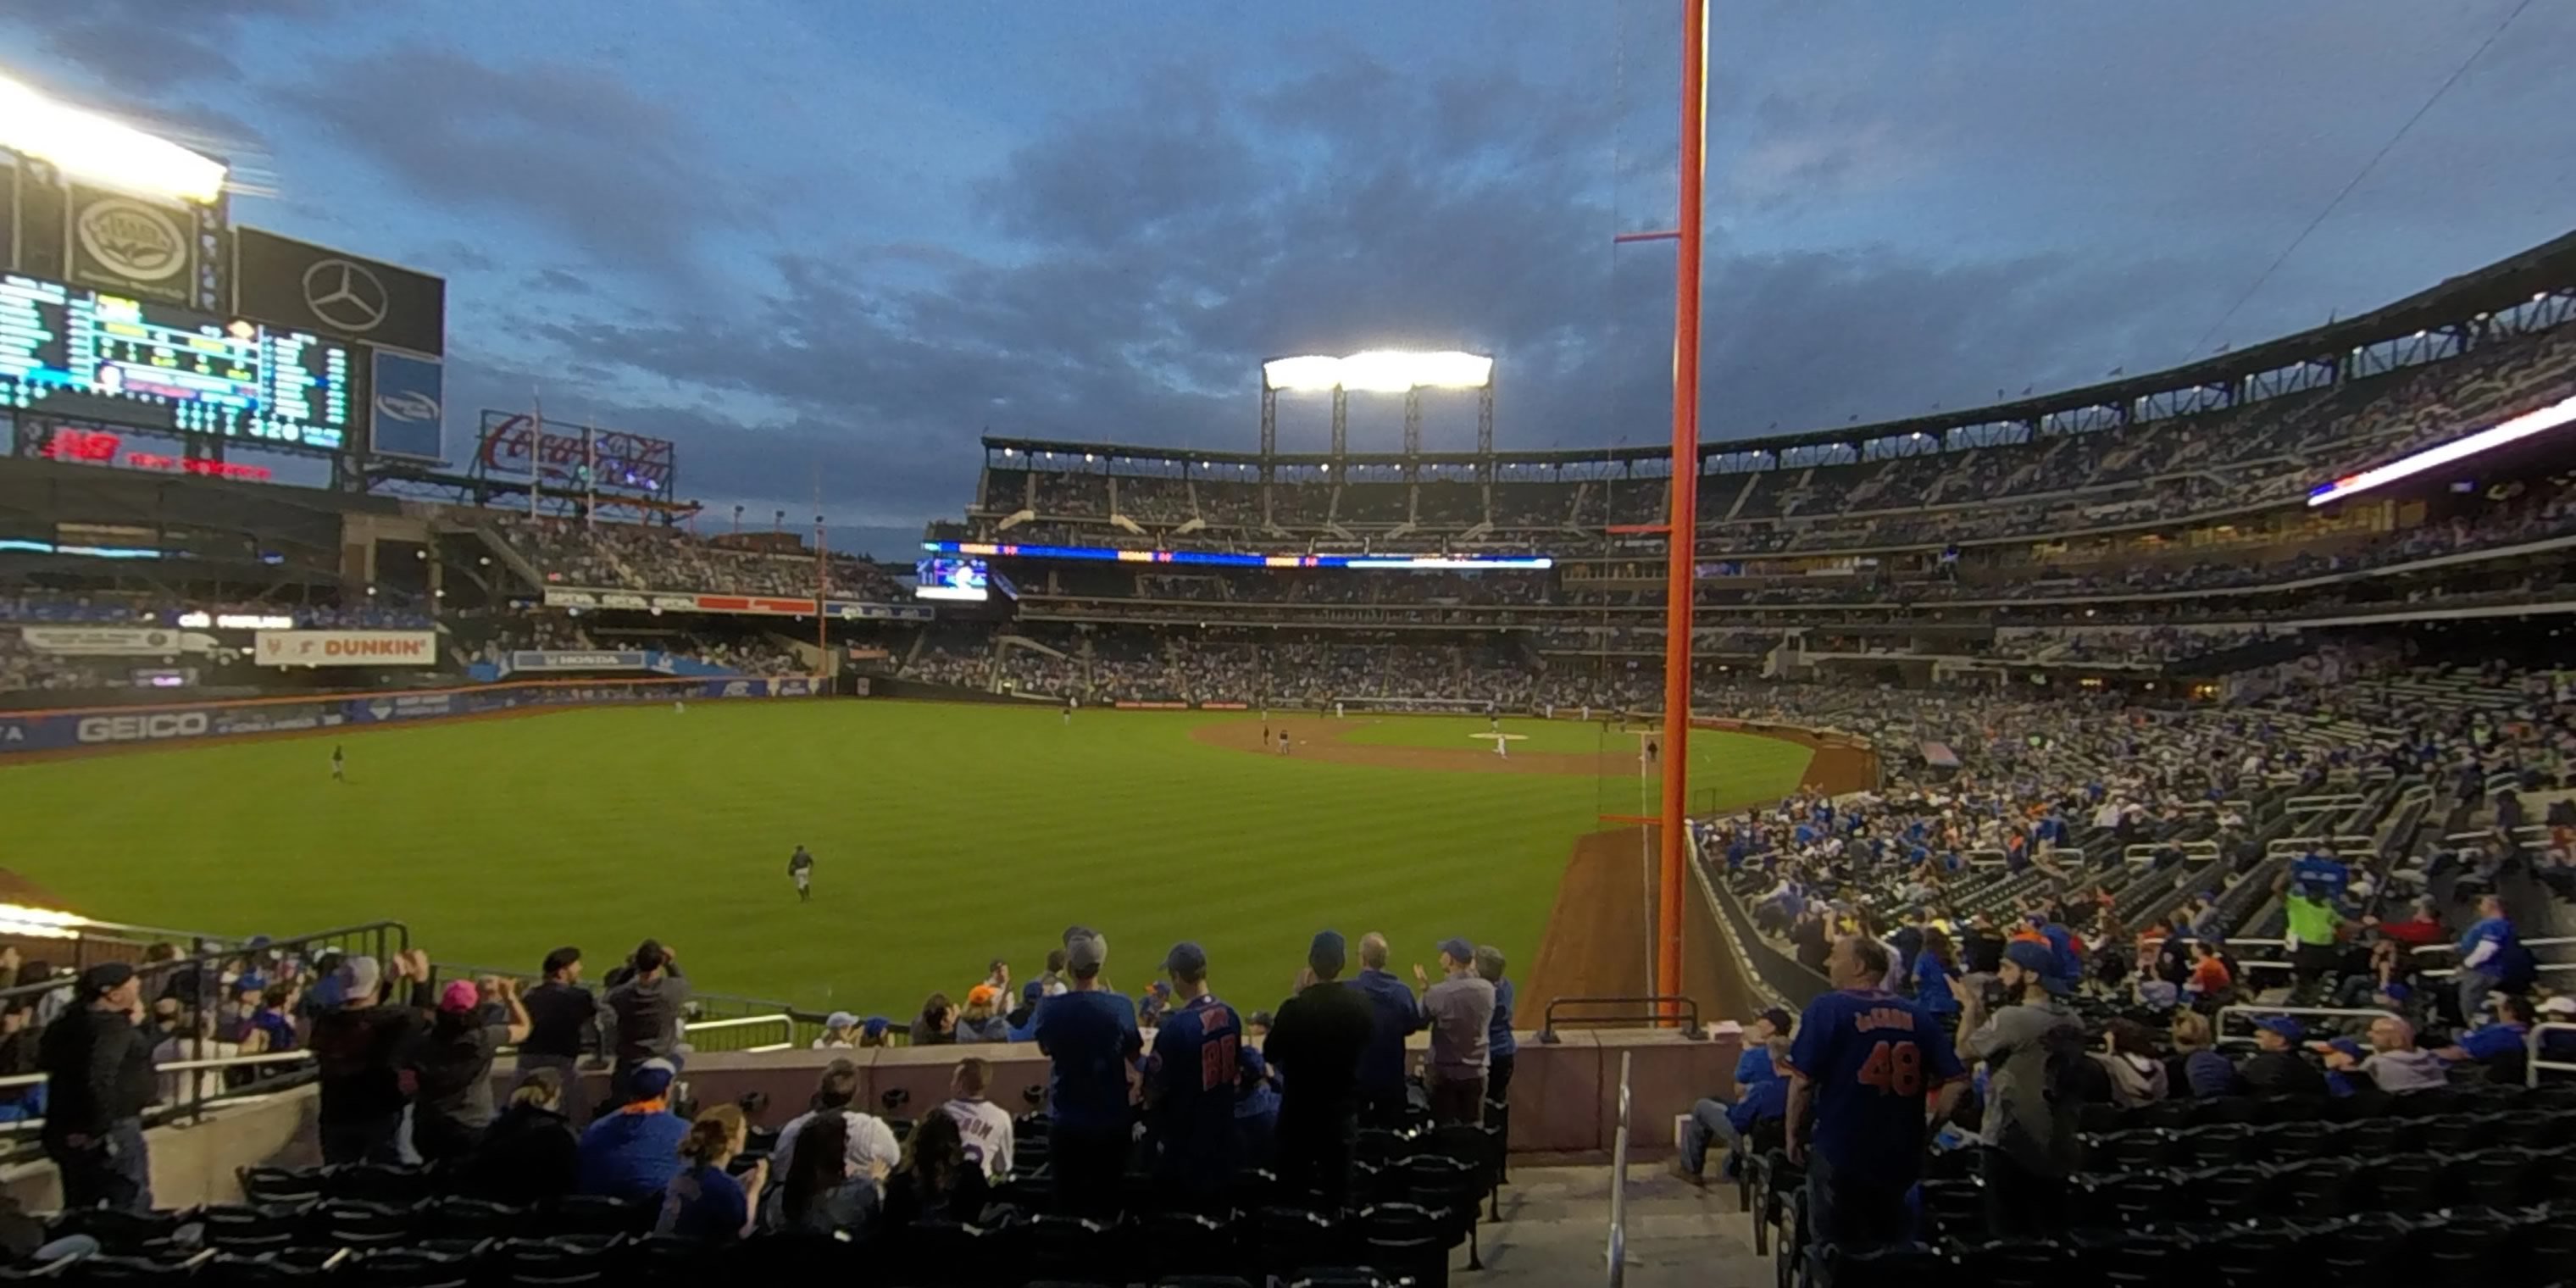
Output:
[[1895, 1068]]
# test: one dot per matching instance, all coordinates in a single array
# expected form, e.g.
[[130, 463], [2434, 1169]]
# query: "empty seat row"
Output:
[[2472, 1246], [2143, 1148], [2457, 1098], [1397, 1244]]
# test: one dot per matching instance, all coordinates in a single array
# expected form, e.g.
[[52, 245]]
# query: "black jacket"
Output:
[[2280, 1073], [563, 1020], [1316, 1043], [528, 1155], [98, 1072]]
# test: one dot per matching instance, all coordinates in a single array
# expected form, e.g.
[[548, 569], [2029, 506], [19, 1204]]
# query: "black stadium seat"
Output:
[[1407, 1240], [123, 1233], [1287, 1239], [242, 1227], [283, 1184], [375, 1183], [1187, 1243], [414, 1268], [354, 1223]]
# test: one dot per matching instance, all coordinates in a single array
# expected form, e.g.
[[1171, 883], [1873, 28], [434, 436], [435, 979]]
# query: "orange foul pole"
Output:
[[1680, 545]]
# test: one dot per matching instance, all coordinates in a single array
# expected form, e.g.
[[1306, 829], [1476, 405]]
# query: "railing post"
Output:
[[1618, 1251]]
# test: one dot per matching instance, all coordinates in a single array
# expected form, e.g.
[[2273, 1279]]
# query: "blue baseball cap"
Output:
[[1458, 950], [876, 1026], [2287, 1026], [1328, 953], [2038, 959], [1186, 960], [652, 1078], [2350, 1047]]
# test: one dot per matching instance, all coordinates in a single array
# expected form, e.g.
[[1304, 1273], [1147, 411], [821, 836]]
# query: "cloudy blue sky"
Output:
[[829, 242]]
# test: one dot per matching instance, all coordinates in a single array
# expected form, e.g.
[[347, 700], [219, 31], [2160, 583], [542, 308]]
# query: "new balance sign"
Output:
[[348, 648]]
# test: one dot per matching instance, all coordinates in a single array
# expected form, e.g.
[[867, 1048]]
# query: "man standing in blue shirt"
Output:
[[1395, 1017], [2491, 957], [1190, 1084], [1863, 1065], [1090, 1038]]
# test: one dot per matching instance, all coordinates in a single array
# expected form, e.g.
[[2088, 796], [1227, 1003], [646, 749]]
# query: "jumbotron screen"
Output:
[[948, 577], [75, 352]]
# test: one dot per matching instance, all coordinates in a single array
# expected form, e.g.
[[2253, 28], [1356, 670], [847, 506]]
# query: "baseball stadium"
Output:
[[2114, 833]]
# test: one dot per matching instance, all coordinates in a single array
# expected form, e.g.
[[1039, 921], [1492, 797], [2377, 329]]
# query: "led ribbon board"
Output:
[[1226, 559], [2458, 449]]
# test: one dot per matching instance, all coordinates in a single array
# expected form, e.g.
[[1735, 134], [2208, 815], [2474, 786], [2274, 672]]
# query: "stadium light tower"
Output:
[[1377, 371], [103, 150]]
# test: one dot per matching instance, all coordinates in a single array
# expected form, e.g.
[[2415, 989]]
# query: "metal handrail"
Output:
[[2219, 1024], [18, 1128], [1618, 1250], [1655, 1008], [786, 1030], [398, 932], [181, 1066], [2544, 968], [2559, 941]]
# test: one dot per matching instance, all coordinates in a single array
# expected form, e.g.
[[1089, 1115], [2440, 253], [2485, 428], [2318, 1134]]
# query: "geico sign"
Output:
[[144, 728]]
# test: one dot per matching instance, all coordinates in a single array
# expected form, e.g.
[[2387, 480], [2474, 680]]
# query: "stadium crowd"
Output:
[[481, 1080], [2065, 921], [38, 606], [639, 557], [2211, 461]]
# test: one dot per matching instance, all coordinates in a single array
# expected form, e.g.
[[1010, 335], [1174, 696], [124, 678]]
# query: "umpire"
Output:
[[98, 1077]]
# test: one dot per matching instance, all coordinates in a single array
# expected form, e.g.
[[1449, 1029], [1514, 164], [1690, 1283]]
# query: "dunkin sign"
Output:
[[348, 648]]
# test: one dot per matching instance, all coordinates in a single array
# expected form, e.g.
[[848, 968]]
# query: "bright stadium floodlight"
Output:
[[1379, 371], [40, 923], [101, 150], [1303, 375], [2520, 427]]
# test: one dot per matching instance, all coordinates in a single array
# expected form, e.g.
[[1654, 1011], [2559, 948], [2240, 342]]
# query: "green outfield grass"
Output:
[[944, 836]]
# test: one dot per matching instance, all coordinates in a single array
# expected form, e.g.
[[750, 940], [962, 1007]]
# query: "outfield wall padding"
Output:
[[102, 729], [1775, 976]]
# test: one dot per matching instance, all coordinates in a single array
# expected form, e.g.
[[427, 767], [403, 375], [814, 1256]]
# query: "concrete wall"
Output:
[[1565, 1103], [199, 1163], [1565, 1095]]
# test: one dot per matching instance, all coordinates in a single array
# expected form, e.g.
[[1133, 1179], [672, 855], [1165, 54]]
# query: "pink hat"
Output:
[[460, 995]]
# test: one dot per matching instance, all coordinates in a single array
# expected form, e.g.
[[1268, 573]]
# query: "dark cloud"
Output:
[[1906, 210], [147, 47], [1180, 242], [606, 172]]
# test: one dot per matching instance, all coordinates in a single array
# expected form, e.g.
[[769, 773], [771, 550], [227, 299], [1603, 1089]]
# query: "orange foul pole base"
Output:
[[1680, 547]]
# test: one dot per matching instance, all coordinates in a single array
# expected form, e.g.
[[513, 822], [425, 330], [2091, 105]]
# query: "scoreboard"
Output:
[[71, 351]]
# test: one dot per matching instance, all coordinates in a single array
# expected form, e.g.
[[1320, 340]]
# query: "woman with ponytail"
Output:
[[705, 1202]]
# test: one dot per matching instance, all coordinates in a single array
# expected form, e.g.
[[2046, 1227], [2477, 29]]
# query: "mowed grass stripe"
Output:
[[945, 835]]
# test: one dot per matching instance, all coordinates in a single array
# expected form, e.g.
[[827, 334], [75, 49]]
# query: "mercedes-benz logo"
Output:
[[347, 296]]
